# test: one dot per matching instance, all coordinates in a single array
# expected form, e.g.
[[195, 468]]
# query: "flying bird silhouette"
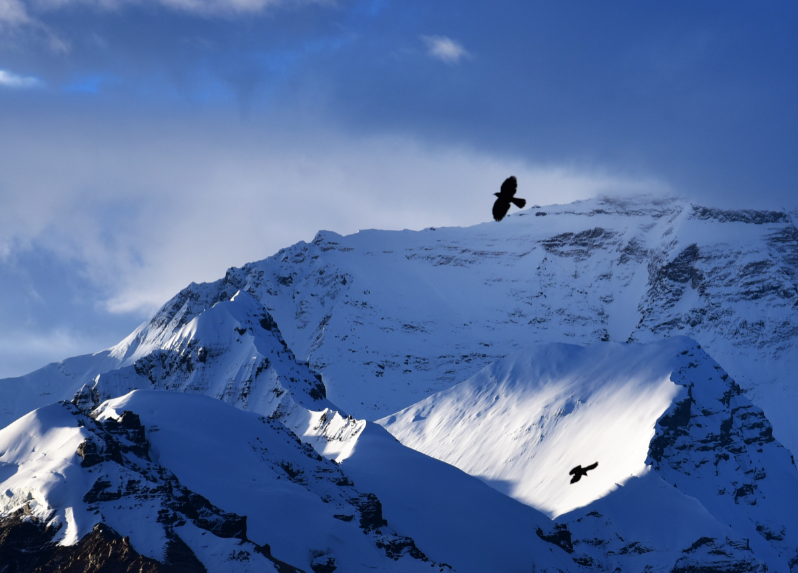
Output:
[[505, 197], [580, 471]]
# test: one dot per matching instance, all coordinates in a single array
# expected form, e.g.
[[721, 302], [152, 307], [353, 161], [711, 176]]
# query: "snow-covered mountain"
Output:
[[387, 318], [187, 483], [320, 339], [656, 416], [690, 477]]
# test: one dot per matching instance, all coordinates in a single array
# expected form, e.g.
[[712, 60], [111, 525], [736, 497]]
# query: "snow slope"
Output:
[[656, 417], [525, 421]]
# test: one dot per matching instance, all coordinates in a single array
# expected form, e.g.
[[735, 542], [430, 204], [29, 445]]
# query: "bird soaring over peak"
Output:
[[505, 197], [580, 471]]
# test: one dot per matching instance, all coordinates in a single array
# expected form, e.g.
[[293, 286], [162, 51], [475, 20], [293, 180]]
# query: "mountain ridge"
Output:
[[603, 269]]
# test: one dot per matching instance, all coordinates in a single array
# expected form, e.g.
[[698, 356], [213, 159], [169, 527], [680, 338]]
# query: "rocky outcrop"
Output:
[[27, 546], [716, 446], [747, 216]]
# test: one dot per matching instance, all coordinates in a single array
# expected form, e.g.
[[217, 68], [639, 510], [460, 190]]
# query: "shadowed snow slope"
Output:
[[651, 415], [231, 491]]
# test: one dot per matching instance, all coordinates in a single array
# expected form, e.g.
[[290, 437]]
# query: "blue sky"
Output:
[[146, 144]]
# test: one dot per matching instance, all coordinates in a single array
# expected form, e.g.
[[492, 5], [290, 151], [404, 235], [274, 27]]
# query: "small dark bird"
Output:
[[580, 471], [505, 197]]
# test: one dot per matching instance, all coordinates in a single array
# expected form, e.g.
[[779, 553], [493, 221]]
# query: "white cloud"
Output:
[[145, 209], [445, 49], [12, 12], [17, 12], [9, 80], [15, 18]]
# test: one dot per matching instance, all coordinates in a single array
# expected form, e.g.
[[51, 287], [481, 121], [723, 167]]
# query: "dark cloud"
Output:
[[152, 120]]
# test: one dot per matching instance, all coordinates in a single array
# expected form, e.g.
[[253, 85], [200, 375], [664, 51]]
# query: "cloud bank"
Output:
[[143, 210]]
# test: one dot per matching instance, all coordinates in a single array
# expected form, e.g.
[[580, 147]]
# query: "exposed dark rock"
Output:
[[749, 216], [89, 452], [397, 547], [180, 558], [207, 516], [709, 555], [634, 548], [281, 566], [267, 322], [344, 517], [633, 251], [700, 542], [100, 492], [769, 533], [26, 547], [86, 399], [370, 512], [673, 424], [682, 268], [578, 245], [25, 543], [323, 564], [103, 550], [295, 474], [560, 537]]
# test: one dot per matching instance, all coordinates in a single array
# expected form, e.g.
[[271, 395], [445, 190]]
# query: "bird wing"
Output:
[[509, 186], [591, 467], [576, 478], [576, 470], [500, 208]]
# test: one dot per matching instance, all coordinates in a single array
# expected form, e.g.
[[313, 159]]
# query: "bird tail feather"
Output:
[[518, 202]]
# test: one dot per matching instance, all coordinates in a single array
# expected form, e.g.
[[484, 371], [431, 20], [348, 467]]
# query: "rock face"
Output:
[[26, 546]]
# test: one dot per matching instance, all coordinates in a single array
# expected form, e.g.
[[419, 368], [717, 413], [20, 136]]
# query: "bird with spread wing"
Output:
[[505, 197], [579, 472]]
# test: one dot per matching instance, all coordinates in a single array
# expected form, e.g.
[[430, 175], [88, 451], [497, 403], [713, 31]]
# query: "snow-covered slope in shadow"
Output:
[[191, 482], [666, 408]]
